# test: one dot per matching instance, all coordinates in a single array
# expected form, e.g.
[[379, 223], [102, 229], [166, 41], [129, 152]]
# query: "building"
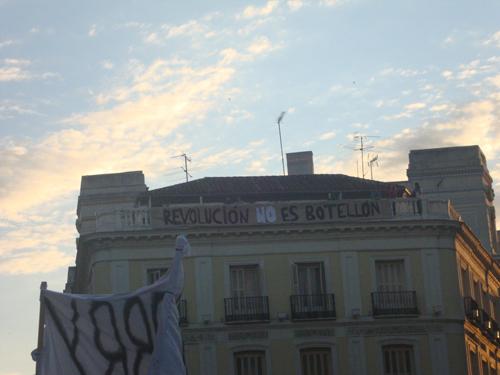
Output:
[[461, 175], [304, 274]]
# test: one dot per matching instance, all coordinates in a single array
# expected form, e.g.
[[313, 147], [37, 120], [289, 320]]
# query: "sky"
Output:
[[111, 86]]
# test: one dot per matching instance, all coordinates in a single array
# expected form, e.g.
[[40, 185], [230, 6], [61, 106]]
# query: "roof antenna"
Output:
[[362, 148], [280, 118], [185, 168], [372, 161]]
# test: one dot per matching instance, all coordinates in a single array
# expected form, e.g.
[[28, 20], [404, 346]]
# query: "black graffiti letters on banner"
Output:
[[117, 331], [143, 347], [73, 345], [117, 356]]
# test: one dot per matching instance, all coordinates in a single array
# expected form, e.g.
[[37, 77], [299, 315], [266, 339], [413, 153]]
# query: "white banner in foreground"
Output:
[[123, 334]]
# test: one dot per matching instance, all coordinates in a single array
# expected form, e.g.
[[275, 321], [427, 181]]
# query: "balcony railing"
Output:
[[182, 307], [137, 218], [312, 306], [482, 320], [245, 309], [394, 303]]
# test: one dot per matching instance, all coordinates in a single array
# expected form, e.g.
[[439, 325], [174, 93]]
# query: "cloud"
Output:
[[327, 136], [330, 3], [140, 128], [449, 40], [474, 123], [35, 262], [92, 31], [106, 64], [386, 103], [188, 28], [439, 107], [295, 5], [191, 28], [237, 115], [25, 238], [407, 73], [408, 112], [494, 39], [12, 70], [260, 46], [129, 135], [473, 69], [252, 11], [415, 106], [495, 80], [251, 27], [9, 109], [469, 70], [6, 43], [447, 74], [257, 166]]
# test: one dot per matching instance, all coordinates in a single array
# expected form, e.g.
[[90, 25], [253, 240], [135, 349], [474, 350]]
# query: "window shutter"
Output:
[[295, 279]]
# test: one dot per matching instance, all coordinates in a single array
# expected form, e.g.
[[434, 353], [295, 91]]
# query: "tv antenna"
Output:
[[185, 168], [362, 147], [280, 118], [372, 161]]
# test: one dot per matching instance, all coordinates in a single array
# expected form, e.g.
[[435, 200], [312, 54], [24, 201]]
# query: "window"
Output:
[[474, 363], [485, 301], [153, 274], [485, 367], [309, 278], [390, 275], [398, 360], [477, 292], [310, 300], [246, 302], [465, 282], [250, 363], [391, 296], [316, 361], [245, 281]]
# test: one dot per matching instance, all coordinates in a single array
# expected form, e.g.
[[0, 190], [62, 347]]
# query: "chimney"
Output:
[[300, 163]]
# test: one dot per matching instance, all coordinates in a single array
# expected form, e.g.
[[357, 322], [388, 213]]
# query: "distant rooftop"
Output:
[[262, 188]]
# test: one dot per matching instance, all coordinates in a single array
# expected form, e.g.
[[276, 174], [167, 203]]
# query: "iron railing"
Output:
[[394, 303], [312, 306], [482, 320], [182, 307], [244, 309]]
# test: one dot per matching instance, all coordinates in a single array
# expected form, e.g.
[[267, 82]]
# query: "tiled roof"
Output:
[[316, 186]]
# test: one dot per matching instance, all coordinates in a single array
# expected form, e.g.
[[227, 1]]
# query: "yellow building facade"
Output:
[[302, 275]]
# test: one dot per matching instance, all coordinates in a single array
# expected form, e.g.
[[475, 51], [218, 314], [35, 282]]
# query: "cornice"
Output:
[[220, 332], [470, 241], [378, 229], [444, 171]]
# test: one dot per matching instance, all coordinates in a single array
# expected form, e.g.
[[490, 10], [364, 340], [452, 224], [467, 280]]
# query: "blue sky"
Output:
[[110, 86]]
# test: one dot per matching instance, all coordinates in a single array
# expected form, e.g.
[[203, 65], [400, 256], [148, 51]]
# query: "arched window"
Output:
[[316, 361], [250, 362], [398, 360]]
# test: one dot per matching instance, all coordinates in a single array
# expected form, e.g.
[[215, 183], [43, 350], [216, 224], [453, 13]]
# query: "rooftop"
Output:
[[260, 188]]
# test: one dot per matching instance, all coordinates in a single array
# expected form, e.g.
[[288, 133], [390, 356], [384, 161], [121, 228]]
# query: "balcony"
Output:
[[313, 306], [482, 320], [182, 307], [246, 309], [394, 303]]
